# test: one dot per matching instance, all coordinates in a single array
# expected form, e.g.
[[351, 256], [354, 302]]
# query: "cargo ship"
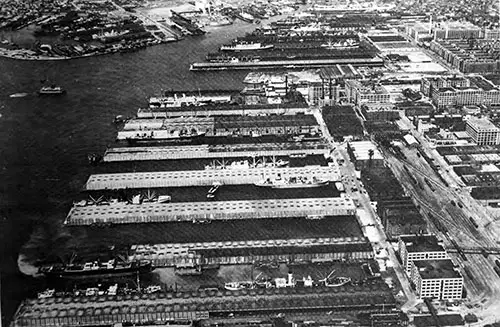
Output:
[[246, 47], [293, 182], [95, 269]]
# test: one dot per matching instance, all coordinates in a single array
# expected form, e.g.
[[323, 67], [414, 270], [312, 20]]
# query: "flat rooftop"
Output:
[[436, 269], [421, 243], [482, 123], [207, 211], [206, 177], [361, 150]]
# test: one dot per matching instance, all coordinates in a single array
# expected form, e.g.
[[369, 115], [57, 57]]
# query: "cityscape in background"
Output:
[[353, 180]]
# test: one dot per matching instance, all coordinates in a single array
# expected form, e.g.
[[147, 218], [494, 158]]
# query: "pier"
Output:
[[205, 177], [250, 150], [234, 126], [206, 211], [223, 110], [182, 255], [280, 64], [163, 308]]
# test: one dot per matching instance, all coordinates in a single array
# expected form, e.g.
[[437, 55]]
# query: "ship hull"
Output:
[[100, 273]]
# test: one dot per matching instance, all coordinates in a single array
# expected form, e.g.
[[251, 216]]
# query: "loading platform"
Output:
[[312, 63], [206, 211], [206, 177], [206, 151]]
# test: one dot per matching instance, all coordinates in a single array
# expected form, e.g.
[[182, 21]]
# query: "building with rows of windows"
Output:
[[482, 131], [419, 247], [437, 279]]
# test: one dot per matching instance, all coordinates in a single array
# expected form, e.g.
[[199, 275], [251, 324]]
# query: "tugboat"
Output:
[[51, 90], [96, 269]]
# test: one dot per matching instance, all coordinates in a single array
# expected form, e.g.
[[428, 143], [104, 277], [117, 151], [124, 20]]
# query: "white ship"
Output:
[[246, 47]]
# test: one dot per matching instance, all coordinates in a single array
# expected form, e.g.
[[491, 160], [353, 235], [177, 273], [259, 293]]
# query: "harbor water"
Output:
[[44, 141]]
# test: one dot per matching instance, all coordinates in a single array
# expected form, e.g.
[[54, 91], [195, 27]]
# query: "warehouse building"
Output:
[[419, 247], [437, 279]]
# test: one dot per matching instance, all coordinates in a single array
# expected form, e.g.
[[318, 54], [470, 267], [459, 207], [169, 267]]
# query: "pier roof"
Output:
[[216, 210], [205, 177], [205, 151]]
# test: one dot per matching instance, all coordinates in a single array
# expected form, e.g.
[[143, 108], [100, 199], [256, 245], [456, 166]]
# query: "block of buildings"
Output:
[[437, 279], [364, 154], [419, 247], [469, 55], [482, 131], [366, 91], [455, 30], [460, 91]]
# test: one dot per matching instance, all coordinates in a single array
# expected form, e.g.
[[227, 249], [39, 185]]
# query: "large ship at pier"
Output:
[[96, 269], [246, 47], [293, 182]]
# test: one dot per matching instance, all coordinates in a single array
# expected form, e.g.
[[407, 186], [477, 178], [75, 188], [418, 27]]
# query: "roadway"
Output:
[[367, 217]]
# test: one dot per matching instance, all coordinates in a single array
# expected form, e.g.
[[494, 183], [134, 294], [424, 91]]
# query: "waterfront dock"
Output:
[[182, 255], [280, 64], [225, 110], [205, 151], [205, 177], [218, 126], [207, 211], [164, 307]]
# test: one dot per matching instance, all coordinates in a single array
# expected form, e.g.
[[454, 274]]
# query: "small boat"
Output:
[[51, 90], [119, 119], [18, 95], [315, 217], [293, 182], [94, 158], [236, 286], [164, 199], [214, 189]]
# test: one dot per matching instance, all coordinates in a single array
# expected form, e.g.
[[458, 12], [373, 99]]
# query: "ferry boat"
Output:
[[293, 182], [51, 90], [96, 269], [246, 47]]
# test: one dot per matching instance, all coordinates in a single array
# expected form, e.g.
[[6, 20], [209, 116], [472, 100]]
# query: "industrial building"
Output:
[[364, 154], [482, 131], [437, 279], [400, 217], [365, 91], [460, 91], [419, 247]]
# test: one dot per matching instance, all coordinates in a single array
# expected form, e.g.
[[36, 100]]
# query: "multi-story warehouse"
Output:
[[455, 30], [453, 91], [419, 247], [359, 92], [483, 131], [437, 279]]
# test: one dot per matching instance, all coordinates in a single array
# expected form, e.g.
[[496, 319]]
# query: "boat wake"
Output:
[[18, 95]]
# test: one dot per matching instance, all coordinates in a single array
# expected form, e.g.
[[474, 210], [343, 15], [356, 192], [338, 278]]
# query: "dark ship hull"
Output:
[[68, 273]]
